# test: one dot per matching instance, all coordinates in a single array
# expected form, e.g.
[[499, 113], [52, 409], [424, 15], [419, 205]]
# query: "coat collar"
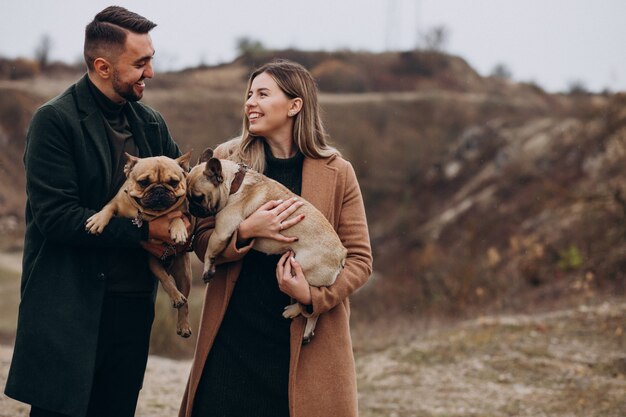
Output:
[[92, 122], [319, 183]]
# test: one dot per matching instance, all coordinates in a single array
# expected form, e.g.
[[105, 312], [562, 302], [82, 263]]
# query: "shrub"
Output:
[[338, 76], [19, 68]]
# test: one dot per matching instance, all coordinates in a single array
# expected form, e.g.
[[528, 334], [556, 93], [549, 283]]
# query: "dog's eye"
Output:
[[174, 183], [196, 198], [144, 183]]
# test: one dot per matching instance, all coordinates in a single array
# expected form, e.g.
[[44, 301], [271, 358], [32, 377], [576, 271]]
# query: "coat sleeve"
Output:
[[52, 186], [353, 232], [204, 229]]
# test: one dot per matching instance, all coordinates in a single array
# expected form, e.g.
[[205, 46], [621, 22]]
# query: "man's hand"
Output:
[[159, 228], [162, 250], [160, 243]]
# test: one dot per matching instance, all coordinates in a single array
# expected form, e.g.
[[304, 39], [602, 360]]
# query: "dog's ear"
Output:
[[206, 155], [183, 161], [130, 163], [213, 171]]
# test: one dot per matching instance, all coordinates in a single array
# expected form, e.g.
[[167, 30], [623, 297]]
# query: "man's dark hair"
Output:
[[106, 34]]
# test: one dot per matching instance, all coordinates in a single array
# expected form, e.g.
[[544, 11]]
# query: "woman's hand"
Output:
[[270, 219], [291, 279]]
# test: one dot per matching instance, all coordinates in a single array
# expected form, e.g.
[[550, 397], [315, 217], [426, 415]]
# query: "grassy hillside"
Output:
[[481, 194]]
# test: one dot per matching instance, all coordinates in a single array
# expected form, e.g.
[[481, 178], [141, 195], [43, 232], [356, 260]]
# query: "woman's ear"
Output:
[[295, 107], [102, 67]]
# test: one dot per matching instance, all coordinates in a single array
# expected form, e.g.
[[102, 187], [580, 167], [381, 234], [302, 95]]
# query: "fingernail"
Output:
[[280, 201], [295, 199]]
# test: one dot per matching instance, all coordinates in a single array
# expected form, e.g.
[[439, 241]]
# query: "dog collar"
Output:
[[238, 180]]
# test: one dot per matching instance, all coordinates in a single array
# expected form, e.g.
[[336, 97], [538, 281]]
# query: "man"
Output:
[[87, 302]]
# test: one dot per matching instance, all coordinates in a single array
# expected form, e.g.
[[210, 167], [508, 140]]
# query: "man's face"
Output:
[[132, 67]]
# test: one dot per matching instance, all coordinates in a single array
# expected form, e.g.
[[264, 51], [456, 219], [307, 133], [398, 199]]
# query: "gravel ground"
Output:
[[568, 363], [163, 388]]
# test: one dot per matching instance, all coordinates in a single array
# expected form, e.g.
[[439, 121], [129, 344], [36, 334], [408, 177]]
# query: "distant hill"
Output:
[[480, 192]]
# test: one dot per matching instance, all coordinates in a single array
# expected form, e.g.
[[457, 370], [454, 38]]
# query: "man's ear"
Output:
[[213, 171], [103, 68], [130, 163]]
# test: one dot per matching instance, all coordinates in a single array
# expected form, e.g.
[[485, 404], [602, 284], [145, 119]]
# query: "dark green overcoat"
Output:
[[68, 175]]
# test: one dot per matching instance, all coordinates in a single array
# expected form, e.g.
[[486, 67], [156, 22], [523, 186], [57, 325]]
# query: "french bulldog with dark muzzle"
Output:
[[156, 186]]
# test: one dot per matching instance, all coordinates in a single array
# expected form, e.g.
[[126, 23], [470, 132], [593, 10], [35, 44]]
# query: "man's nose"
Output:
[[149, 71]]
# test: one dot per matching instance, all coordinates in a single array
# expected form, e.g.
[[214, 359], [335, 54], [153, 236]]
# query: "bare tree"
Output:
[[436, 38], [577, 87], [501, 71], [42, 52], [249, 46]]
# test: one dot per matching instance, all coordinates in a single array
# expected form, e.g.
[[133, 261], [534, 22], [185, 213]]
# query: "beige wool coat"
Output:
[[322, 377]]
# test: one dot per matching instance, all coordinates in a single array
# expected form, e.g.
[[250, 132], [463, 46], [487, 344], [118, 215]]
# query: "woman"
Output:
[[249, 360]]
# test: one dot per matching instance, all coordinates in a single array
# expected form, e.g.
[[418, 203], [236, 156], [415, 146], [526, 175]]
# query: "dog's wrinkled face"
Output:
[[206, 192], [157, 183]]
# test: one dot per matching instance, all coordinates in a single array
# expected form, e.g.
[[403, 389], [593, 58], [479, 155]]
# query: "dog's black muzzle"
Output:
[[198, 210], [158, 199]]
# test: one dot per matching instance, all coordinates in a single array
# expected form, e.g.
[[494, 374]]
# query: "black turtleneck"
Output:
[[119, 134], [125, 275]]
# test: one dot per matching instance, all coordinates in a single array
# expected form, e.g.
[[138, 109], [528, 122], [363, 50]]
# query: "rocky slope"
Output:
[[480, 193]]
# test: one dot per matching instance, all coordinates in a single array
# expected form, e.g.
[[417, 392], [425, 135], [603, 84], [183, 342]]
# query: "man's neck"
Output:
[[105, 88]]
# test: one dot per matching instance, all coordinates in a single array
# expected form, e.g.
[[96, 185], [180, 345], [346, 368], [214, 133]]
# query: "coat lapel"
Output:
[[319, 183], [92, 125], [141, 131]]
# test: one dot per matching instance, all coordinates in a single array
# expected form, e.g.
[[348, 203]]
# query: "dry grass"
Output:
[[10, 267], [566, 363]]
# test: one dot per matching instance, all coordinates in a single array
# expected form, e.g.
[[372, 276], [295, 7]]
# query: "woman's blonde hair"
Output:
[[309, 135]]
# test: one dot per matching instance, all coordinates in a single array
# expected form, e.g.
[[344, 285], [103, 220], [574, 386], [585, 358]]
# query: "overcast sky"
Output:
[[551, 42]]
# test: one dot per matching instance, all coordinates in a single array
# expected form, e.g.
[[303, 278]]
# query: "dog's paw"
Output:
[[179, 235], [208, 273], [292, 310], [96, 224], [207, 276], [311, 322], [179, 301], [184, 331]]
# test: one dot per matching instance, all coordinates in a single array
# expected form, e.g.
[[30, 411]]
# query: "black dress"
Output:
[[247, 370]]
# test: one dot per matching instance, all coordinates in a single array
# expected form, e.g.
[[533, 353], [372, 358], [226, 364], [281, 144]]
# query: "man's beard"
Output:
[[124, 90]]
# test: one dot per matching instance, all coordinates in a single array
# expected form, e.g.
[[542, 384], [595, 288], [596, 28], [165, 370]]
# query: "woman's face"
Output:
[[267, 109]]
